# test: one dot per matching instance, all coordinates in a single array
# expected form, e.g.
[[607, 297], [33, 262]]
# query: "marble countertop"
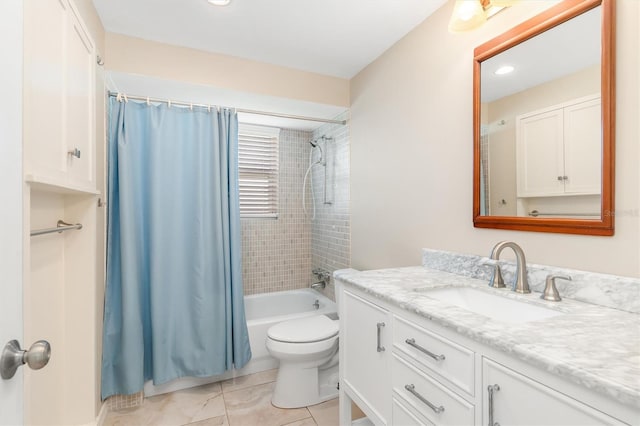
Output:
[[591, 345]]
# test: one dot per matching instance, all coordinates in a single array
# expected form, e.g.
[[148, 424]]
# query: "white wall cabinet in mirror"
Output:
[[543, 123], [558, 155]]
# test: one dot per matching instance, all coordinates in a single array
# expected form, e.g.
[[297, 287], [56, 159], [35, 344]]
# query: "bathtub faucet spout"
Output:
[[324, 276], [320, 285]]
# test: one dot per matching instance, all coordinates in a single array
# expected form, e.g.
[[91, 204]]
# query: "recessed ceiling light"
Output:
[[505, 69], [219, 2]]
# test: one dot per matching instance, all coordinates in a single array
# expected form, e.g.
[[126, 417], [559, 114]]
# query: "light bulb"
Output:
[[505, 69], [467, 15], [219, 2]]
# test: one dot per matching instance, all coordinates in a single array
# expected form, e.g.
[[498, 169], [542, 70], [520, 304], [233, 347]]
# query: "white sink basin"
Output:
[[491, 305]]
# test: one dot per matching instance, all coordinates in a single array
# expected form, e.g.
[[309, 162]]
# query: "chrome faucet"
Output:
[[324, 276], [521, 285]]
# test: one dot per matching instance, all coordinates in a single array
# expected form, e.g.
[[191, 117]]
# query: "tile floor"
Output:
[[244, 401]]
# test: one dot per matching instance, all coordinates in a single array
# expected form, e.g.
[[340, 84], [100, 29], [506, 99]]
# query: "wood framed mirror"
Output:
[[544, 124]]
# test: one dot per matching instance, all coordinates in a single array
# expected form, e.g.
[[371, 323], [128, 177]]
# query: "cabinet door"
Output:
[[522, 401], [45, 27], [80, 89], [583, 147], [367, 347], [539, 153]]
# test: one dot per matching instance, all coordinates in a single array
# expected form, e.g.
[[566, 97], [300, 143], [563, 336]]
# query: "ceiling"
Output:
[[332, 37]]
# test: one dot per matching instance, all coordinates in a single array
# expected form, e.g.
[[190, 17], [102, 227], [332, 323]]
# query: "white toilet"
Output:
[[307, 349]]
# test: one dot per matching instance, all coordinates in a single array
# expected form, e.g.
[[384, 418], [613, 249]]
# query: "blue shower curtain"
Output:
[[174, 300]]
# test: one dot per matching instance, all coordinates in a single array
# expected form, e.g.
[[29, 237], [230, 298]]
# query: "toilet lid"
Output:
[[304, 330]]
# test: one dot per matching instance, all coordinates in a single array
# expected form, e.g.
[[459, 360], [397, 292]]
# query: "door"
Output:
[[11, 232]]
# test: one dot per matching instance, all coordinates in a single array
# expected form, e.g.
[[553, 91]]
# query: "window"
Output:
[[258, 171]]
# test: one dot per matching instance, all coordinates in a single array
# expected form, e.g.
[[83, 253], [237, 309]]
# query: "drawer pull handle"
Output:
[[412, 342], [412, 389], [379, 347], [490, 390]]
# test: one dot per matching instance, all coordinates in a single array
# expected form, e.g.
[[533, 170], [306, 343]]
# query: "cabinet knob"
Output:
[[560, 178], [75, 153]]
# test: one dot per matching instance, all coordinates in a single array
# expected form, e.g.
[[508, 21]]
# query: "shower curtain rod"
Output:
[[246, 111]]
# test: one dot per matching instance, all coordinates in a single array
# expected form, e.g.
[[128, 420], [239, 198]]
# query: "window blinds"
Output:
[[258, 160]]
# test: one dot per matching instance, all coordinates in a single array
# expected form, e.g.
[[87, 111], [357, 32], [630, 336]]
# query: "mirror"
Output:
[[544, 123]]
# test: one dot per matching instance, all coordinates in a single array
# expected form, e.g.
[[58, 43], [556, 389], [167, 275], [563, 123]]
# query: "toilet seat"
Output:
[[304, 330]]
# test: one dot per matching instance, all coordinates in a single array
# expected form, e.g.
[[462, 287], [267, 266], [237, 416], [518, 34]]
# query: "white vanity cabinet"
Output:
[[430, 375], [558, 149], [519, 400], [365, 339], [59, 97]]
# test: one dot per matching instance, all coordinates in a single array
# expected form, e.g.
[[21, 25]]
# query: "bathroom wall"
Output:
[[143, 57], [330, 239], [411, 152], [276, 253]]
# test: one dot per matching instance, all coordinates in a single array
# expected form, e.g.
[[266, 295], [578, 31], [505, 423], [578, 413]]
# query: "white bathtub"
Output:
[[262, 311]]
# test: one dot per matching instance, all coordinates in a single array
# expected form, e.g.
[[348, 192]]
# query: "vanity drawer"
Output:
[[418, 391], [404, 416], [453, 362]]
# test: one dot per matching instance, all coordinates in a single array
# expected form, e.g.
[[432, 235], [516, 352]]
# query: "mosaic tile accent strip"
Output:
[[121, 402]]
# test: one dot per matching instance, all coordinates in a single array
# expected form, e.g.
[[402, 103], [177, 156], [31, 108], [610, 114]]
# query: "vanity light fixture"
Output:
[[505, 69], [219, 2], [470, 14]]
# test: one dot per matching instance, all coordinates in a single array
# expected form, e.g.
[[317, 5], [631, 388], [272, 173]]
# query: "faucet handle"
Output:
[[496, 277], [550, 291]]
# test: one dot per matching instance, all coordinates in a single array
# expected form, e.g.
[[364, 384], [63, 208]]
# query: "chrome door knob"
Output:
[[13, 357]]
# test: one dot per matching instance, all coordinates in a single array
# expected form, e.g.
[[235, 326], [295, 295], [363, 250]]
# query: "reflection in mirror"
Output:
[[540, 131], [543, 108]]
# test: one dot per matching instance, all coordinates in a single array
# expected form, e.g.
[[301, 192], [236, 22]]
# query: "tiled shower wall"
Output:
[[276, 253], [279, 254], [330, 240]]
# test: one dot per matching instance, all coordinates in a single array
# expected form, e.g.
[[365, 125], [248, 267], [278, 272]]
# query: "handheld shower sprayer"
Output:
[[314, 144]]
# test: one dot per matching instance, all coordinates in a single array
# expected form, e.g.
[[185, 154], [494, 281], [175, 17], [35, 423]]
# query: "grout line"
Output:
[[224, 402]]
